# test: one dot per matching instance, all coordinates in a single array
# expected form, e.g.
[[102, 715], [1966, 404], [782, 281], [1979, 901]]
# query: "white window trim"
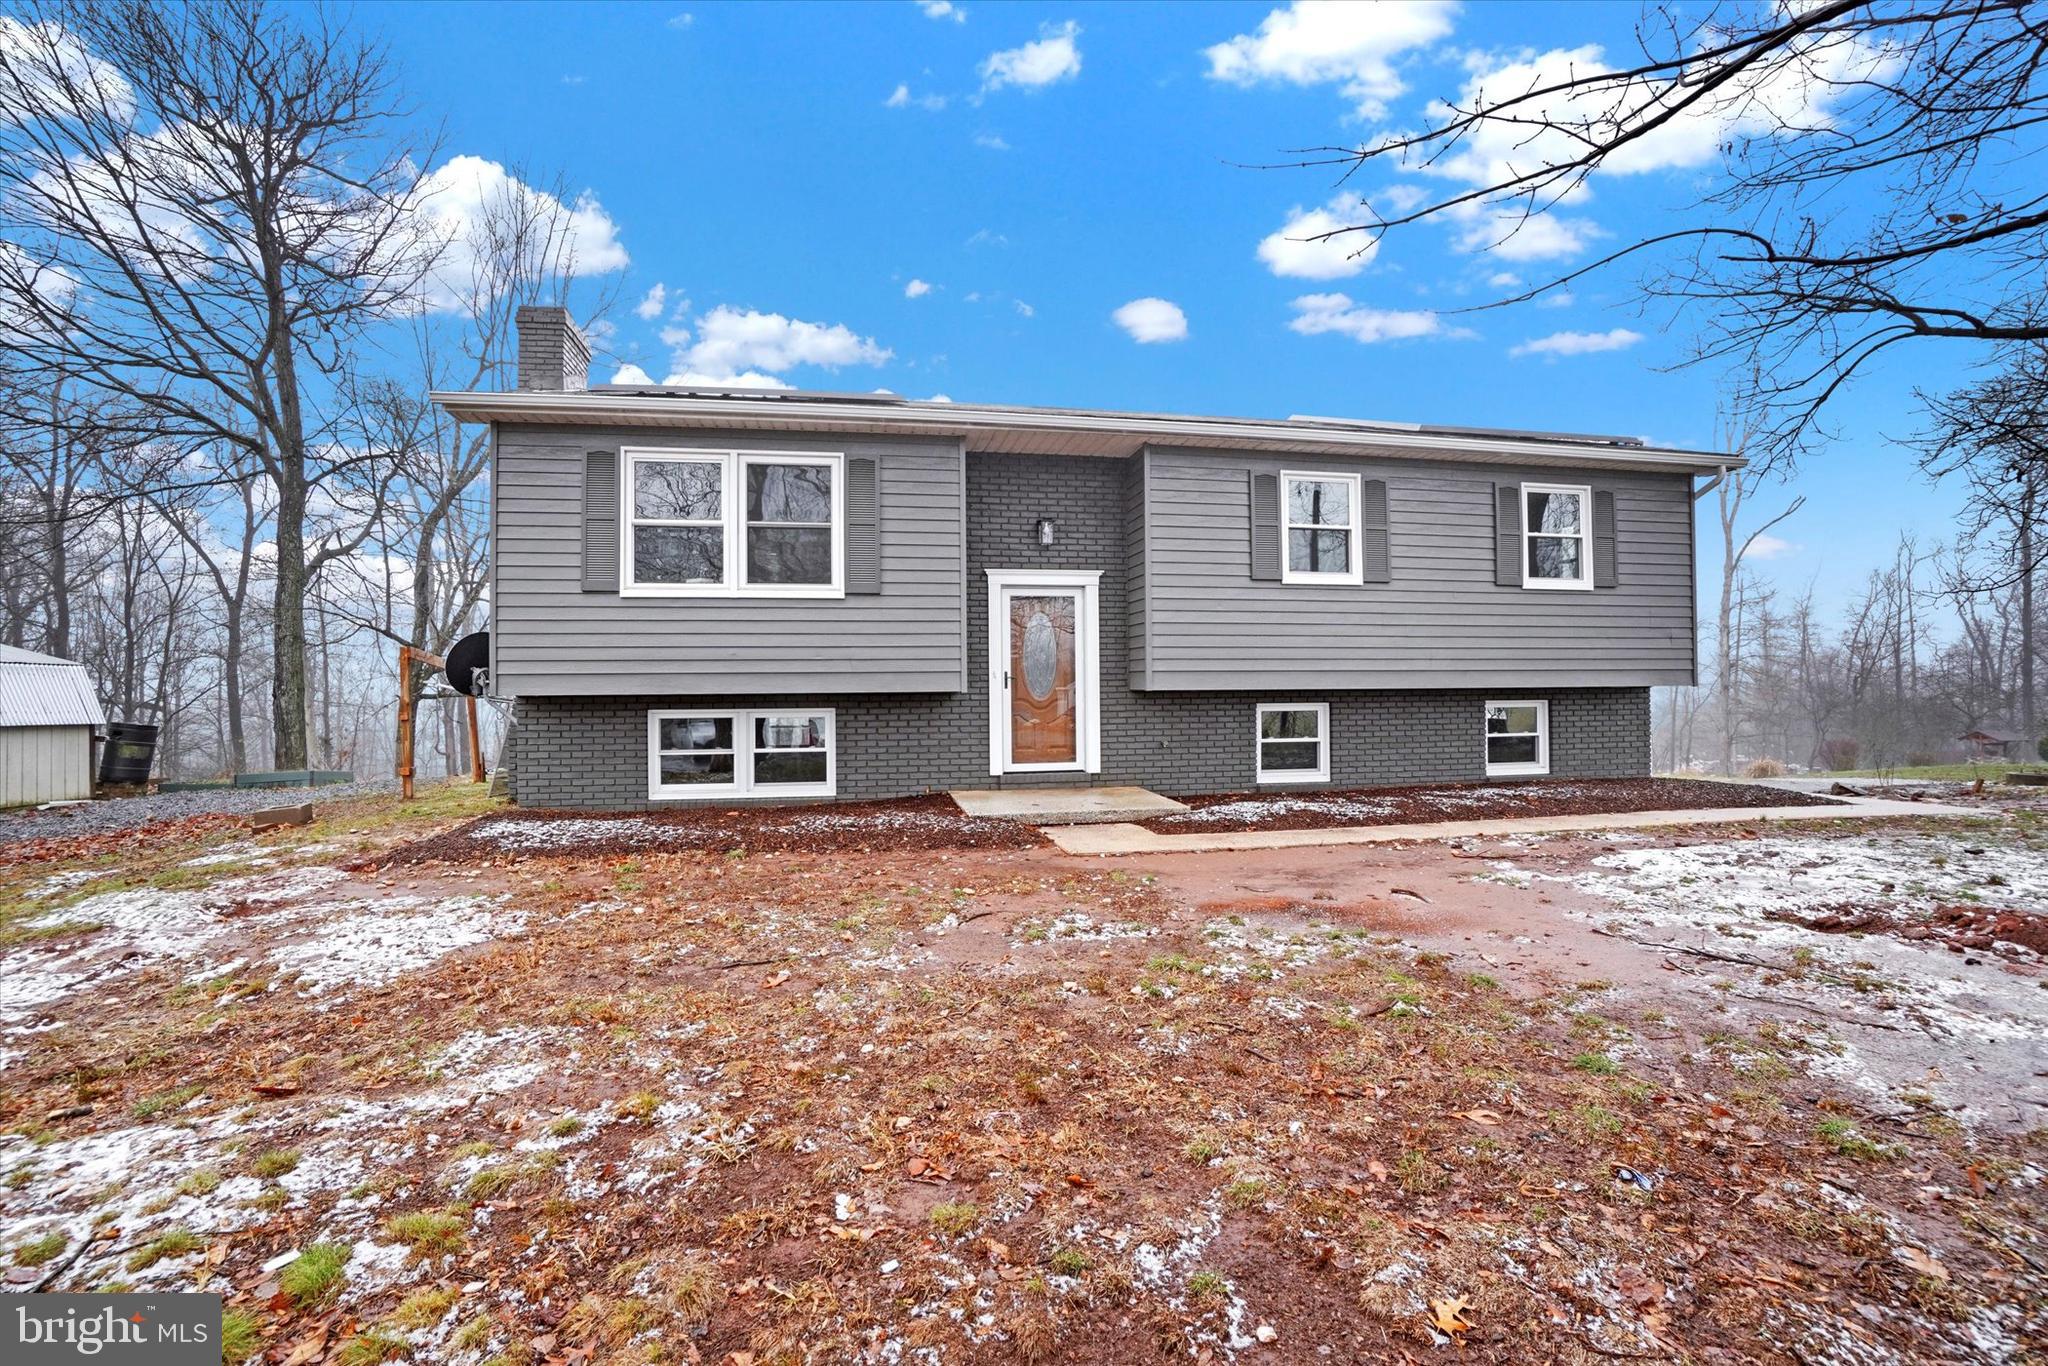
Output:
[[1542, 764], [743, 784], [1087, 669], [1259, 743], [1356, 573], [733, 506], [1584, 534]]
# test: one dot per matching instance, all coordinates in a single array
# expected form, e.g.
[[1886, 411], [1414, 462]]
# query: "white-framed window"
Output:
[[1294, 742], [733, 523], [1319, 528], [1517, 738], [1557, 540], [763, 752]]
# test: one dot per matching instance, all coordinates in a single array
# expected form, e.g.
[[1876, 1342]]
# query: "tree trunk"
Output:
[[288, 631], [2027, 736]]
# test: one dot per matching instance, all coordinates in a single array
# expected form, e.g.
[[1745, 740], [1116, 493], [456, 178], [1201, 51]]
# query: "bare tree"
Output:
[[1733, 490], [1877, 180], [206, 206], [1994, 436]]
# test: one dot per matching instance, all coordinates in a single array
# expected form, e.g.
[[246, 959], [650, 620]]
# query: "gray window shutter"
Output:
[[601, 522], [863, 527], [1373, 555], [1266, 526], [1604, 568], [1507, 535]]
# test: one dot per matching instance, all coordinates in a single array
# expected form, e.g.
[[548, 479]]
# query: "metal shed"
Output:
[[48, 711]]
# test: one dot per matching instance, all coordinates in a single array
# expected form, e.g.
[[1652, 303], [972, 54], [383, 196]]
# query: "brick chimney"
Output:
[[553, 356]]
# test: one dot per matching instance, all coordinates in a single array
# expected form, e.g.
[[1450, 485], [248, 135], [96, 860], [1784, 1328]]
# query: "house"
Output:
[[48, 712], [770, 594], [1988, 743]]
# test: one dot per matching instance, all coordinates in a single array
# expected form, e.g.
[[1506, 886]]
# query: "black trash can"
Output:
[[128, 754]]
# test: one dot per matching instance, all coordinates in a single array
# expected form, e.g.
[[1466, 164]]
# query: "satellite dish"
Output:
[[469, 663]]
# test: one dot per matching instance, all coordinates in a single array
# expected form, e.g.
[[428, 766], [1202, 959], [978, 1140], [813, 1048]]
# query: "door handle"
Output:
[[1006, 680]]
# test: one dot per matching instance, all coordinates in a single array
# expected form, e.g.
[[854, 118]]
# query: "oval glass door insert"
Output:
[[1041, 656]]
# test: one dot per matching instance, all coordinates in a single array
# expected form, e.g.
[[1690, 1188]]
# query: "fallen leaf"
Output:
[[774, 979], [1922, 1262], [1487, 1117], [1449, 1315]]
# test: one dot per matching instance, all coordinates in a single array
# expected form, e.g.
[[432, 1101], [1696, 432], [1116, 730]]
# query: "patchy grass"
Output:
[[1845, 1138], [315, 1275], [268, 1166], [954, 1217], [178, 1242], [37, 1251], [241, 1334], [429, 1233]]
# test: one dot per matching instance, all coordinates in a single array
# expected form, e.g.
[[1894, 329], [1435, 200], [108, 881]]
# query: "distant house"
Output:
[[1986, 743], [48, 711]]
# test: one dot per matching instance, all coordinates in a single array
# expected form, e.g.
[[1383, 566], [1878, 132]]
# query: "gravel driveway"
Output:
[[125, 813]]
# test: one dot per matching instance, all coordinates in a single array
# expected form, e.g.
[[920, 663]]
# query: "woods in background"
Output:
[[229, 283]]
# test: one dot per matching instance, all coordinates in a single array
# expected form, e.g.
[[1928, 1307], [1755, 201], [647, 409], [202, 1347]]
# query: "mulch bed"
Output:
[[1468, 801], [934, 821]]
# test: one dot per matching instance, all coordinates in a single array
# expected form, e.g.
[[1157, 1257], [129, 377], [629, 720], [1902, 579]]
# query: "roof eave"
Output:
[[1136, 431]]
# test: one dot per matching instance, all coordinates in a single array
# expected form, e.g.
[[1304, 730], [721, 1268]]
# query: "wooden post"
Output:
[[476, 743], [407, 656]]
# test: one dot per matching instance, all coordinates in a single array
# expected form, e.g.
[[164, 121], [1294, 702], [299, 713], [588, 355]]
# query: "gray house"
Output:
[[735, 595]]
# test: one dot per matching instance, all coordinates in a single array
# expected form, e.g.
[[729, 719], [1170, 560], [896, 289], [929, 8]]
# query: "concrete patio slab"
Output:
[[1136, 839], [1062, 806]]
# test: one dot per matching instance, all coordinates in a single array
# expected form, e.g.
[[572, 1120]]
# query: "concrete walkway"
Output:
[[1067, 805], [1136, 839]]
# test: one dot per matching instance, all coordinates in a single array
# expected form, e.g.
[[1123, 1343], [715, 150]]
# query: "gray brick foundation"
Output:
[[591, 752]]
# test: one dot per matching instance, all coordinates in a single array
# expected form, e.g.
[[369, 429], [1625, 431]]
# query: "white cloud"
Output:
[[940, 398], [1577, 343], [1152, 320], [631, 374], [901, 98], [732, 340], [1054, 57], [942, 9], [1768, 547], [1563, 298], [675, 334], [987, 237], [916, 289], [1315, 314], [697, 379], [992, 141], [649, 308], [1024, 309], [43, 60], [1318, 42], [1503, 279], [457, 198], [1293, 250], [682, 20], [1512, 235]]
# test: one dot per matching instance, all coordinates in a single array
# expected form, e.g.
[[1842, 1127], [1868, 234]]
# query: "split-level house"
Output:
[[779, 595]]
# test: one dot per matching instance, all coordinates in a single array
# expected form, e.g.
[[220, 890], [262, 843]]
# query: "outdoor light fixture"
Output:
[[1045, 531]]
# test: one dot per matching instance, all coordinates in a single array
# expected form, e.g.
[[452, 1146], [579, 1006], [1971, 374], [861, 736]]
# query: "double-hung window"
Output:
[[1517, 738], [1294, 742], [769, 752], [1557, 548], [1319, 527], [753, 523]]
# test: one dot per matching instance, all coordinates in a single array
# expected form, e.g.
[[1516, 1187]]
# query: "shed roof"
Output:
[[43, 690]]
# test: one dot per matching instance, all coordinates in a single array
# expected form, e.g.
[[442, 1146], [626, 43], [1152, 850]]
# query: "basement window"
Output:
[[1294, 742], [779, 752], [1517, 738]]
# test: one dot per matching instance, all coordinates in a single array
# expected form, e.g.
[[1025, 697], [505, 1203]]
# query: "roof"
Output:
[[1008, 430], [1986, 733], [43, 690]]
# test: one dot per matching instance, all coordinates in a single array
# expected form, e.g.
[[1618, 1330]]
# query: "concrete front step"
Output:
[[1067, 805]]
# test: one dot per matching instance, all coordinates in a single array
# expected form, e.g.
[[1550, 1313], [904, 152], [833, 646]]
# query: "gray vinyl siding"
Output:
[[1442, 622], [551, 637]]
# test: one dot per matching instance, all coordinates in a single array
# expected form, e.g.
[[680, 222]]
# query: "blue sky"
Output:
[[1038, 168]]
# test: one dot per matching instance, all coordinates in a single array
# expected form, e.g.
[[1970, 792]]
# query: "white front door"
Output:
[[1043, 637]]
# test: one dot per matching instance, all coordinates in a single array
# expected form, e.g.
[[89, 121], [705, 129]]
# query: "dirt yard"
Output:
[[1716, 1095]]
